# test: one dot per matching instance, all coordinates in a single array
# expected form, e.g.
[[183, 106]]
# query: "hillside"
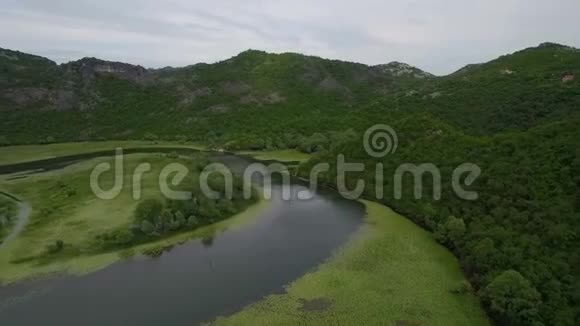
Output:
[[521, 232], [242, 96], [516, 117]]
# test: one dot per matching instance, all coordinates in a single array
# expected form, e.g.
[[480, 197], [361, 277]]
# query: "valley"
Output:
[[63, 210], [508, 257]]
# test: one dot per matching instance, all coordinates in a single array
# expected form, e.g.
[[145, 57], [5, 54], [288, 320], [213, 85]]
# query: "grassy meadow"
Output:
[[64, 208], [392, 271], [8, 212], [26, 153], [288, 155]]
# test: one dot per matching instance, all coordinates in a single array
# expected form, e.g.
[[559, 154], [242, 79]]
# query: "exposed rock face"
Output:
[[507, 72], [26, 95], [331, 84], [189, 96], [274, 98], [64, 100], [90, 67], [219, 108], [402, 69], [433, 95], [568, 78], [249, 99], [61, 100], [8, 55], [15, 56], [236, 88]]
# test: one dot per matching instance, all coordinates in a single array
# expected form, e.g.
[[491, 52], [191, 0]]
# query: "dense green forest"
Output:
[[516, 117], [261, 97], [518, 242]]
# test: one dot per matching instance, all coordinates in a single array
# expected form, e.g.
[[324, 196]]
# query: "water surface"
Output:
[[197, 281]]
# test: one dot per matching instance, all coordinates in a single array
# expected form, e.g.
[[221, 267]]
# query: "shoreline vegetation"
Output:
[[73, 233], [389, 257], [515, 118], [28, 153], [8, 215], [391, 270]]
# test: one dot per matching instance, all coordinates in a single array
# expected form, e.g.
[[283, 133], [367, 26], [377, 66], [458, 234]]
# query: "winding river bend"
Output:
[[194, 282]]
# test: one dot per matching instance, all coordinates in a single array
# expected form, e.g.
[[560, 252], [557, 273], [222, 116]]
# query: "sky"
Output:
[[439, 36]]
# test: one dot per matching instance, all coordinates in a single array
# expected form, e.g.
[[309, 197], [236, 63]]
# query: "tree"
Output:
[[148, 210], [315, 143], [4, 141], [55, 247], [483, 254], [165, 221], [455, 229], [151, 136], [147, 227], [192, 222], [180, 219], [513, 298], [48, 140]]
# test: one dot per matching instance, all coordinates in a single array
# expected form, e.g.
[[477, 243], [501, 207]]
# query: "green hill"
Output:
[[516, 117], [526, 217]]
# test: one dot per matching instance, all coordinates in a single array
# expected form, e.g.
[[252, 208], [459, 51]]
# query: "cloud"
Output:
[[438, 36]]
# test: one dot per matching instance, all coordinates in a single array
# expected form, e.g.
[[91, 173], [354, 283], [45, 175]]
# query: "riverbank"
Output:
[[283, 156], [10, 213], [27, 153], [65, 209], [392, 271], [17, 224]]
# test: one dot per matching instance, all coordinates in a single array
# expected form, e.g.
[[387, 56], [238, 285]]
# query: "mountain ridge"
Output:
[[513, 92]]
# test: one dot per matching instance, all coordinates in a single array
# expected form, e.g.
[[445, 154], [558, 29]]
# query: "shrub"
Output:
[[4, 141], [192, 222], [147, 227], [180, 219], [463, 287], [172, 155], [55, 247], [148, 210], [151, 136], [512, 298]]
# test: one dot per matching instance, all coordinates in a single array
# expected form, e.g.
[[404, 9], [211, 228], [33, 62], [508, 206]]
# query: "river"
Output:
[[197, 281]]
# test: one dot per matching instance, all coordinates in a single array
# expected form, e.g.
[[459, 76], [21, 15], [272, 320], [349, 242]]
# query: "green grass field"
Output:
[[76, 218], [392, 272], [289, 155], [8, 212], [25, 153]]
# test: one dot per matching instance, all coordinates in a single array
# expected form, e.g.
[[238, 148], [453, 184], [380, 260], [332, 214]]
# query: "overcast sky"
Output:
[[439, 36]]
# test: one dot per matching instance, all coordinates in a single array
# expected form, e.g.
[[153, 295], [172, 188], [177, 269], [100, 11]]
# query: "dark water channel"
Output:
[[194, 282]]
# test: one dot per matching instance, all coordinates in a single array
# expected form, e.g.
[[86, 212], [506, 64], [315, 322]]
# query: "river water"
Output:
[[197, 281]]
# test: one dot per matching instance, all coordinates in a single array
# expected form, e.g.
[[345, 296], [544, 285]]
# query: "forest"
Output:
[[516, 117], [517, 242]]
